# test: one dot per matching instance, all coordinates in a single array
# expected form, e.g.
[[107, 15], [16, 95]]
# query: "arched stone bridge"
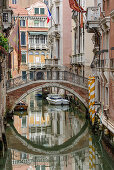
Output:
[[21, 86]]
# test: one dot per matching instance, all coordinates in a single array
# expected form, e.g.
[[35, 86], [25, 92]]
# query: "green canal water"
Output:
[[47, 137]]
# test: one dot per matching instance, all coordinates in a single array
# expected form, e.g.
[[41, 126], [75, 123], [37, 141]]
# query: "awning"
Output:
[[38, 33]]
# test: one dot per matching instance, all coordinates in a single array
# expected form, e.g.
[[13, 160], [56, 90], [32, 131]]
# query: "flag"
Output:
[[75, 6], [81, 24], [49, 16], [14, 40]]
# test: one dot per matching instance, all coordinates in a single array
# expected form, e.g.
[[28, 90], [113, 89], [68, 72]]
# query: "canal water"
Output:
[[48, 137]]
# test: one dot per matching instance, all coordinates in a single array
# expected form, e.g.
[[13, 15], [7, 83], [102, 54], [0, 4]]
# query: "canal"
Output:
[[48, 137]]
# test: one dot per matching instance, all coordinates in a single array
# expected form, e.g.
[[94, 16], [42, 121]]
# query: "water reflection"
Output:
[[45, 124], [53, 126]]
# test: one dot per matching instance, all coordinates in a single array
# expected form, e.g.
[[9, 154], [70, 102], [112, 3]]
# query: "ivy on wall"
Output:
[[4, 42]]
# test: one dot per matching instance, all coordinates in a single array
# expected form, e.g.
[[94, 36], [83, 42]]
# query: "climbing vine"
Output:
[[4, 42]]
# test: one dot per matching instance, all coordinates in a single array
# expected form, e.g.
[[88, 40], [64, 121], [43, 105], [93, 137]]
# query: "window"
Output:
[[23, 38], [22, 23], [42, 39], [41, 23], [36, 23], [23, 155], [31, 75], [37, 39], [42, 53], [36, 10], [23, 59], [13, 1], [31, 103], [57, 15], [41, 10], [23, 122], [30, 53], [24, 75], [58, 48], [5, 17], [36, 53], [31, 39]]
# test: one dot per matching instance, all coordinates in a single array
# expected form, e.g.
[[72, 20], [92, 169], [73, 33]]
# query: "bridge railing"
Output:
[[47, 75]]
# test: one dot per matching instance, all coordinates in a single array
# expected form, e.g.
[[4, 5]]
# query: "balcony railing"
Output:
[[51, 62], [100, 63], [38, 46], [36, 65], [47, 75], [93, 18], [77, 59]]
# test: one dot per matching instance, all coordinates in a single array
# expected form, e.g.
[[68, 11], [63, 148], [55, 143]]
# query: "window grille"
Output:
[[5, 17]]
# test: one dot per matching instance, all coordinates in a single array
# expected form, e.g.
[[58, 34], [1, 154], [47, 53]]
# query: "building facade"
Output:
[[5, 26], [33, 38], [22, 3], [59, 34], [82, 54], [100, 21]]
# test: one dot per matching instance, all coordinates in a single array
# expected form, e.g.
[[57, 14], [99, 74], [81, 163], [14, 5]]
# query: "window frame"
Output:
[[35, 11], [39, 11], [23, 52], [24, 75], [25, 38], [43, 11], [21, 25]]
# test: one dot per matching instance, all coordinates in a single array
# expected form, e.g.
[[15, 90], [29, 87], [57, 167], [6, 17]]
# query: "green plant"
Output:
[[4, 42]]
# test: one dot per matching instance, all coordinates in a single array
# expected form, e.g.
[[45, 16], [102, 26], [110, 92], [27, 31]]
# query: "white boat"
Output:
[[56, 99]]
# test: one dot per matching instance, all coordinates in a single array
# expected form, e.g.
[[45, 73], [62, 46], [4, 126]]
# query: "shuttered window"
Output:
[[41, 10], [23, 38], [36, 10]]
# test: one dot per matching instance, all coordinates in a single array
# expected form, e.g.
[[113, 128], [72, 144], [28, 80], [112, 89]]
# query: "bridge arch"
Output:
[[39, 87]]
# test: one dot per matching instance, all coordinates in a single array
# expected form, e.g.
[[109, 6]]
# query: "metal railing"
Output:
[[47, 75], [37, 46]]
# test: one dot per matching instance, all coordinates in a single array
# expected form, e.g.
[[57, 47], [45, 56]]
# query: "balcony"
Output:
[[51, 62], [7, 18], [38, 46], [36, 65], [93, 19], [77, 59]]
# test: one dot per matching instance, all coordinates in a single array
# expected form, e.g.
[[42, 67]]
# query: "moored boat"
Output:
[[56, 99], [21, 106]]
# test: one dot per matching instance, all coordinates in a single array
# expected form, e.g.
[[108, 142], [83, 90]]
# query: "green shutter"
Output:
[[41, 10], [36, 10]]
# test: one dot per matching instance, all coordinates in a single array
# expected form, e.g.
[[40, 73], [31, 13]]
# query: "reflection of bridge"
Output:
[[22, 144], [21, 86]]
